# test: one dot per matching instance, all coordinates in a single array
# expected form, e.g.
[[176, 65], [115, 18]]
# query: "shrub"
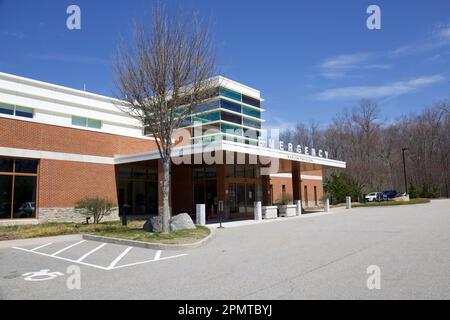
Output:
[[96, 207], [286, 199]]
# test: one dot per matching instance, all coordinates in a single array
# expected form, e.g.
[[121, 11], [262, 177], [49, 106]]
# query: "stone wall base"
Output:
[[70, 215]]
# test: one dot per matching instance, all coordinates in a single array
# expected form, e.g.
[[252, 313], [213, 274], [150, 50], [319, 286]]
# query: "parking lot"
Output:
[[320, 256]]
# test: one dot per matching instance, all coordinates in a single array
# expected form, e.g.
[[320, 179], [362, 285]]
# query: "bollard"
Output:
[[200, 215], [298, 207], [348, 202], [258, 210], [326, 205]]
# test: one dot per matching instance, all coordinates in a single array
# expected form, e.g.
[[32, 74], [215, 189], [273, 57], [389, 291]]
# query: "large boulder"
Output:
[[181, 221], [153, 224]]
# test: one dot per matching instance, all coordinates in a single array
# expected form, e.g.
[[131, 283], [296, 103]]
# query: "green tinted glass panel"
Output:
[[79, 121], [96, 124], [230, 129], [230, 94], [24, 112], [251, 112], [206, 117], [251, 123], [6, 109]]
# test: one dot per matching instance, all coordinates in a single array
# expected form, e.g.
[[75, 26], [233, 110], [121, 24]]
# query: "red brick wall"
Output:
[[62, 183], [28, 135], [277, 184]]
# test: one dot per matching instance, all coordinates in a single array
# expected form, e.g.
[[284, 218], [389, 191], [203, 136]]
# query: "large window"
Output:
[[230, 94], [18, 184], [137, 190], [251, 112], [17, 111], [230, 117], [85, 122], [230, 106], [251, 101]]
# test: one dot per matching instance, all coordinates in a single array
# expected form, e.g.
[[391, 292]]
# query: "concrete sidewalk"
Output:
[[240, 223]]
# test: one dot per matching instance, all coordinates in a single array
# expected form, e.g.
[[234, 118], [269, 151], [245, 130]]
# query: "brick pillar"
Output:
[[296, 180], [267, 199]]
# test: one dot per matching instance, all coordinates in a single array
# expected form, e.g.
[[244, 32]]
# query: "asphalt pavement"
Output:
[[399, 252]]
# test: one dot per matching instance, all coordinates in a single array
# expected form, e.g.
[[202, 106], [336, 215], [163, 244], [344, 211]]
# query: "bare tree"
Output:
[[163, 77]]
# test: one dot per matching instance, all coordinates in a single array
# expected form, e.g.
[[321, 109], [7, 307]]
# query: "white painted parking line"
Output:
[[66, 248], [112, 266], [147, 261], [61, 258], [91, 252], [44, 245], [116, 260]]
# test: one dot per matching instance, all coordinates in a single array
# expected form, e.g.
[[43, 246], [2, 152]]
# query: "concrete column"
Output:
[[298, 207], [348, 202], [200, 214], [326, 205], [258, 210]]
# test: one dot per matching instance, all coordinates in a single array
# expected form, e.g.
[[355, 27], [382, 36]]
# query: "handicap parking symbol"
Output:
[[41, 275]]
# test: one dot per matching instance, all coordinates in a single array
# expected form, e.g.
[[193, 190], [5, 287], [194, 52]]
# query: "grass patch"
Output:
[[389, 203], [58, 228], [114, 229], [176, 237]]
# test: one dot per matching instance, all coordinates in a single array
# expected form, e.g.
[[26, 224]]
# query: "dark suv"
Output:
[[389, 194]]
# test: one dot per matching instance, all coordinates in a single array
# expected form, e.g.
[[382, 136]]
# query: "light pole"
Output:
[[404, 170]]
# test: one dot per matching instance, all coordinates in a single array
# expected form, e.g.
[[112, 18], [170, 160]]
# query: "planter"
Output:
[[289, 210], [269, 212]]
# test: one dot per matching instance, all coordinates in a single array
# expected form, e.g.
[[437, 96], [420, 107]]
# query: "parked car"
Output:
[[389, 194], [26, 210], [373, 196]]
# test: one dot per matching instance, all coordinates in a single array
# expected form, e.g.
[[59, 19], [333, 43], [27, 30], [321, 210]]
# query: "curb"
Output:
[[151, 245]]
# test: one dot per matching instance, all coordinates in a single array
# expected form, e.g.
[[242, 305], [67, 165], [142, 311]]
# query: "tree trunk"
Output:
[[165, 191]]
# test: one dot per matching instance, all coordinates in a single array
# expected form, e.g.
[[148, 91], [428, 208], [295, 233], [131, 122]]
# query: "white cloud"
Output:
[[392, 89], [339, 66]]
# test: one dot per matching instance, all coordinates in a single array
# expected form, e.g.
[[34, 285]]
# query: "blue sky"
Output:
[[310, 59]]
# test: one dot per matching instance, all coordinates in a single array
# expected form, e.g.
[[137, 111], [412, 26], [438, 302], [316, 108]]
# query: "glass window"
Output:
[[251, 123], [125, 172], [26, 166], [206, 117], [6, 165], [207, 106], [139, 173], [24, 112], [230, 129], [230, 117], [96, 124], [249, 171], [251, 112], [253, 134], [230, 106], [240, 171], [251, 101], [6, 109], [230, 170], [79, 121], [5, 196], [24, 205], [230, 94], [210, 172]]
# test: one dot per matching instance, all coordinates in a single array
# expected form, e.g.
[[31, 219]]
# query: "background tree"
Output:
[[164, 76], [372, 148]]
